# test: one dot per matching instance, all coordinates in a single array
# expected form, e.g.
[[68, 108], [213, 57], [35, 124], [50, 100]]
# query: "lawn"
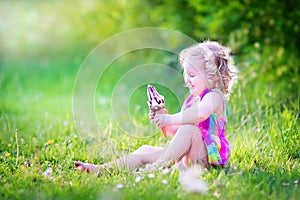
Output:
[[38, 132]]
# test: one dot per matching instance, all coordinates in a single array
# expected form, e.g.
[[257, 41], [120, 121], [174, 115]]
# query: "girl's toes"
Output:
[[80, 166], [76, 164]]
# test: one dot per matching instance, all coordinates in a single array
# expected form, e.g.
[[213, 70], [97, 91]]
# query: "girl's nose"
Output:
[[187, 81], [184, 78]]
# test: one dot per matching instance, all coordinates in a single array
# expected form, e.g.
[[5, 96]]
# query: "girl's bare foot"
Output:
[[80, 166]]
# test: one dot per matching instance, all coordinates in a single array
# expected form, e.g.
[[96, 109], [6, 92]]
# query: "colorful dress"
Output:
[[213, 131]]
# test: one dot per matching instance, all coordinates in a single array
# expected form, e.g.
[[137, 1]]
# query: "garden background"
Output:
[[43, 45]]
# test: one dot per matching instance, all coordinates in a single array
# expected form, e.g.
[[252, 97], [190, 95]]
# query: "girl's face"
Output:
[[195, 76]]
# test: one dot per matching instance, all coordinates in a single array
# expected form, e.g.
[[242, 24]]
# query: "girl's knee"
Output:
[[142, 149], [144, 146], [145, 149], [188, 128]]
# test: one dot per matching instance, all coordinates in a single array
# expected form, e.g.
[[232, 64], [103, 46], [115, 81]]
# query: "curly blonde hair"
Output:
[[218, 64]]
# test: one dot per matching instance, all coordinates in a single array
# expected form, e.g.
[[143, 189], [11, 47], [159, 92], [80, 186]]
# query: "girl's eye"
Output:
[[191, 75]]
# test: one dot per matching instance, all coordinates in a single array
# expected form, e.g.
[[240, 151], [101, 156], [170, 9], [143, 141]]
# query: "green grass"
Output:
[[36, 126]]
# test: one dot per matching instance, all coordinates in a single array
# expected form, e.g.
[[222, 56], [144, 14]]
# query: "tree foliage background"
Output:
[[262, 34]]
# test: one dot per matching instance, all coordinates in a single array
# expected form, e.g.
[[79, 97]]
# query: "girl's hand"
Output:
[[151, 115], [156, 110], [162, 120]]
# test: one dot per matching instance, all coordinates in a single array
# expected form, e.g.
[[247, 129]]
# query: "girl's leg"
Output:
[[187, 141], [81, 166], [198, 152], [144, 154]]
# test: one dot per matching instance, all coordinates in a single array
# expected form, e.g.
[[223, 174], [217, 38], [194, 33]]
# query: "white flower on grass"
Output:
[[48, 172], [164, 181], [217, 194], [191, 182], [79, 168], [285, 184], [119, 186], [151, 175], [138, 179], [165, 171]]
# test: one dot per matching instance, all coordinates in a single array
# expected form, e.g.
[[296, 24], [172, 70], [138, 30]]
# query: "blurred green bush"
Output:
[[262, 34]]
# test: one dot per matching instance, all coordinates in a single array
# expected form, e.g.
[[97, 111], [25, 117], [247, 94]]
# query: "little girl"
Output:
[[199, 129]]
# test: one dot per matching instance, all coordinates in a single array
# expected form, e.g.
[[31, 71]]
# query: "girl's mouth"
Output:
[[190, 86]]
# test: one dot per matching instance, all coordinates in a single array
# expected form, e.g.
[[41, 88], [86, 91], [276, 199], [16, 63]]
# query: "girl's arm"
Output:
[[210, 103], [170, 129]]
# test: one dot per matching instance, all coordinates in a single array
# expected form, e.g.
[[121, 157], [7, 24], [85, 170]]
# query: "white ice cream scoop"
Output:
[[155, 100]]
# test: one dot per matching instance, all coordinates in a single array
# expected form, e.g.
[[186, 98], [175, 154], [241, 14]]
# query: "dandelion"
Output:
[[138, 179], [59, 166], [50, 142], [119, 186], [22, 141], [48, 172], [217, 194], [285, 184], [164, 181], [151, 175], [79, 168], [7, 154], [123, 147], [165, 171], [191, 182], [65, 123], [68, 183], [27, 163], [24, 169]]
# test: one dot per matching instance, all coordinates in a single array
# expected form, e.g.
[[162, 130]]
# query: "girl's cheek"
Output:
[[192, 79], [184, 77]]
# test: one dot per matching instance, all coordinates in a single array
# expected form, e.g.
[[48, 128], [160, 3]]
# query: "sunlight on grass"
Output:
[[264, 162], [40, 57]]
